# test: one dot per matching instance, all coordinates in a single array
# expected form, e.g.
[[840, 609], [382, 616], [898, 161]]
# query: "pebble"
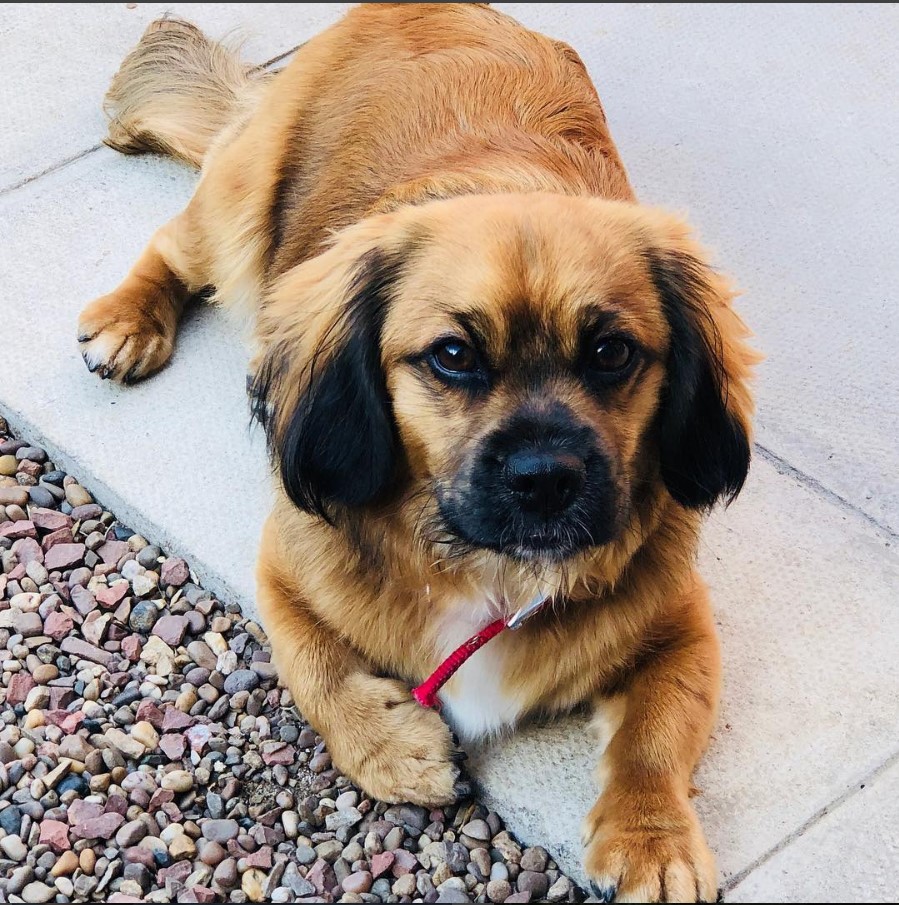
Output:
[[178, 781], [66, 864], [534, 859], [499, 890], [147, 753], [220, 831], [13, 848], [38, 892], [241, 680], [76, 495], [143, 616], [537, 884], [252, 883]]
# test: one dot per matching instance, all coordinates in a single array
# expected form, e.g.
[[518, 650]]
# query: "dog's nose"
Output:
[[545, 482]]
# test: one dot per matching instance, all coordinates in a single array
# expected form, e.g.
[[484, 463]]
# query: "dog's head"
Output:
[[524, 368]]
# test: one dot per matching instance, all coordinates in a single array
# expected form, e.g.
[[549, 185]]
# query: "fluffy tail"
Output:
[[176, 91]]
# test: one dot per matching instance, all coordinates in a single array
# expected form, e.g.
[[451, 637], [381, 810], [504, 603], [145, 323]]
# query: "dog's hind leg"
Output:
[[130, 333], [181, 94]]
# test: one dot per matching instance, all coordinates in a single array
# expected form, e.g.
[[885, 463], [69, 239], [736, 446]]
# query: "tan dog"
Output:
[[485, 372]]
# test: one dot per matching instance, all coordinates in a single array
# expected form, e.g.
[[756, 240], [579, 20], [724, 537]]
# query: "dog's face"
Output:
[[521, 369]]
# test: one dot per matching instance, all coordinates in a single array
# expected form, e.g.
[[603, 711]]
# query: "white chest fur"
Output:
[[476, 701]]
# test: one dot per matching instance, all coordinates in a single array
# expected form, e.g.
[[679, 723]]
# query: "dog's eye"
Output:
[[455, 357], [611, 354]]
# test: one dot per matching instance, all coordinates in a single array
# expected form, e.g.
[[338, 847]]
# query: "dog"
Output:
[[485, 373]]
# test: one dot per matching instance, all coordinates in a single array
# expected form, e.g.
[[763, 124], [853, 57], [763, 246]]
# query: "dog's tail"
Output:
[[176, 91]]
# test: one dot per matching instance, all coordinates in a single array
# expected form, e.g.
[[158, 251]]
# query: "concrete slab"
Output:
[[773, 126], [56, 60], [850, 856], [146, 450], [805, 601]]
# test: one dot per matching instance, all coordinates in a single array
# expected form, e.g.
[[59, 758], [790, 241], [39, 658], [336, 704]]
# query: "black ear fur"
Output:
[[340, 445], [704, 449]]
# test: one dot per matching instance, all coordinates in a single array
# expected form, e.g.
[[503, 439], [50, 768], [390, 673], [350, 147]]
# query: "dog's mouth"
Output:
[[552, 543]]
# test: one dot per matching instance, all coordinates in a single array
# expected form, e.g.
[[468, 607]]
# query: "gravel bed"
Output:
[[147, 753]]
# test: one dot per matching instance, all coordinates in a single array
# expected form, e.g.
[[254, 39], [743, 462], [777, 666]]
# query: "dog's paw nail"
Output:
[[603, 893], [84, 337], [462, 789], [458, 757]]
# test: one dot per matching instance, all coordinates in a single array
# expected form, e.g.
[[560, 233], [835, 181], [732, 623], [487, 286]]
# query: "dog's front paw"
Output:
[[394, 748], [120, 340], [640, 852]]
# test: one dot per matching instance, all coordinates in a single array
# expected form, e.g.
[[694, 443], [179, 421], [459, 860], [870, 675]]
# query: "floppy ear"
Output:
[[320, 391], [703, 421]]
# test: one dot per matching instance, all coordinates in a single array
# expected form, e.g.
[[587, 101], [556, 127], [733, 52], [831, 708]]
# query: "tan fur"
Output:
[[475, 151], [176, 91]]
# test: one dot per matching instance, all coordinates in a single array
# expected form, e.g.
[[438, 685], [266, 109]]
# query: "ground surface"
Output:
[[774, 126], [147, 754]]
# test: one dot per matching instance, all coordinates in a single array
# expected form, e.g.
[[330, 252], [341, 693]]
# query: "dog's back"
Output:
[[496, 108]]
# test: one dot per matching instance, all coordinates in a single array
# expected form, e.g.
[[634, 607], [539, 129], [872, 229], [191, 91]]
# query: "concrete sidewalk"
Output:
[[775, 128]]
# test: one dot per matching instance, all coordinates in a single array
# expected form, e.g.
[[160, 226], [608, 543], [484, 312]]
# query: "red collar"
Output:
[[426, 693]]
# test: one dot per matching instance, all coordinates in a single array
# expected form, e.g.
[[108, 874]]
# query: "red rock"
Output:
[[85, 651], [32, 469], [64, 556], [55, 834], [68, 722], [115, 804], [15, 530], [58, 625], [138, 855], [161, 797], [321, 876], [381, 863], [116, 632], [63, 536], [60, 697], [174, 720], [84, 600], [519, 898], [102, 827], [172, 746], [19, 686], [122, 612], [172, 811], [18, 572], [404, 863], [171, 629], [149, 711], [261, 858], [174, 572], [197, 894], [90, 510], [49, 519], [111, 596], [80, 811], [178, 872], [282, 754], [132, 647], [113, 550], [26, 550]]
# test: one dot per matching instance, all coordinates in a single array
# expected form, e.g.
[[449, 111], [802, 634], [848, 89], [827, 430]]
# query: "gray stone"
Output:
[[241, 680], [219, 830]]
